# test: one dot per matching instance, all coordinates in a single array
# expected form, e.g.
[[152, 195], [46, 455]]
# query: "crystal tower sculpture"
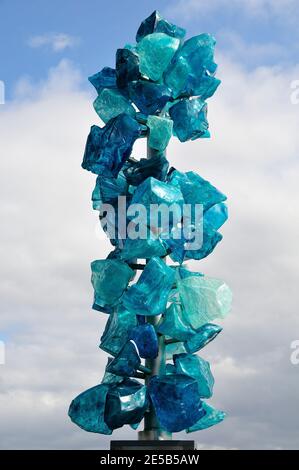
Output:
[[157, 322]]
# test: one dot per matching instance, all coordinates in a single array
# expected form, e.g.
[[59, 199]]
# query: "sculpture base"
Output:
[[152, 445]]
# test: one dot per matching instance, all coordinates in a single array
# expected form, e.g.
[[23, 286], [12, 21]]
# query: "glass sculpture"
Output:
[[160, 318]]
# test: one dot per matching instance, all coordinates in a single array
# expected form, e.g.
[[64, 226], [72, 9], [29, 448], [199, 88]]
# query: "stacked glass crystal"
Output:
[[158, 88]]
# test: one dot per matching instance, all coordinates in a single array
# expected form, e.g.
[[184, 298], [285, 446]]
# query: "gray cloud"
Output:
[[48, 239]]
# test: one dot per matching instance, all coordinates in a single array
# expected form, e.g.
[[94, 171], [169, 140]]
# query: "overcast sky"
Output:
[[49, 232]]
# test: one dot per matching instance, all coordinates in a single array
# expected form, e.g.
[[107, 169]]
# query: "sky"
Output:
[[50, 234]]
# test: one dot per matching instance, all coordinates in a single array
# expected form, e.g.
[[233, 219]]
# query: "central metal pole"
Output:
[[152, 429]]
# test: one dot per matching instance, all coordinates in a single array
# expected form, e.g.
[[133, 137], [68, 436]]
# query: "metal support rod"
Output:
[[152, 429]]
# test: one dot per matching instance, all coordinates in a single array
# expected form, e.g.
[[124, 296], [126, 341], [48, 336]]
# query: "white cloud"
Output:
[[56, 41], [47, 241]]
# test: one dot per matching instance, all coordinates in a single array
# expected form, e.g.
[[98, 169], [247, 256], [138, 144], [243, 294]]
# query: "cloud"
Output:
[[56, 41], [48, 238]]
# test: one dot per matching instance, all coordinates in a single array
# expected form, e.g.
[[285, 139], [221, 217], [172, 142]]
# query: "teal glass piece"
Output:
[[117, 330], [172, 324], [149, 97], [126, 362], [108, 148], [182, 273], [174, 348], [160, 132], [204, 299], [106, 78], [146, 340], [110, 103], [151, 192], [211, 238], [189, 119], [196, 190], [170, 369], [126, 404], [155, 53], [203, 336], [111, 379], [150, 294], [155, 23], [107, 190], [110, 277], [143, 248], [217, 215], [87, 410], [138, 171], [176, 401], [127, 67], [212, 416], [197, 368]]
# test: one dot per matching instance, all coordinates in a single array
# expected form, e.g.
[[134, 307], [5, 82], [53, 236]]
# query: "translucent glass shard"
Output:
[[212, 416], [172, 324], [160, 132], [155, 53], [155, 23], [189, 119], [199, 369], [117, 330], [138, 171], [110, 103], [127, 67], [176, 401], [150, 294], [126, 362], [146, 340], [106, 78], [149, 97], [203, 336]]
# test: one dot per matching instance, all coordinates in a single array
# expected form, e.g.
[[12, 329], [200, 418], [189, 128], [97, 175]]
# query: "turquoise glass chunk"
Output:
[[110, 277], [160, 132], [126, 404], [196, 190], [117, 330], [155, 23], [212, 416], [87, 410], [138, 171], [149, 97], [146, 340], [172, 324], [126, 362], [217, 215], [109, 147], [204, 299], [127, 67], [110, 103], [153, 192], [210, 240], [107, 190], [176, 401], [203, 336], [150, 294], [111, 379], [142, 247], [106, 78], [189, 119], [155, 53], [199, 369], [174, 348]]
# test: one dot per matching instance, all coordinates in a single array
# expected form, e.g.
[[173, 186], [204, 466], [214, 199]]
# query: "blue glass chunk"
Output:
[[142, 247], [199, 369], [138, 171], [210, 240], [189, 119], [110, 277], [106, 78], [155, 23], [211, 417], [117, 330], [109, 147], [217, 215], [146, 340], [127, 67], [172, 324], [126, 404], [107, 190], [196, 190], [149, 97], [87, 409], [155, 53], [126, 362], [203, 336], [150, 294], [110, 103], [160, 132], [176, 401]]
